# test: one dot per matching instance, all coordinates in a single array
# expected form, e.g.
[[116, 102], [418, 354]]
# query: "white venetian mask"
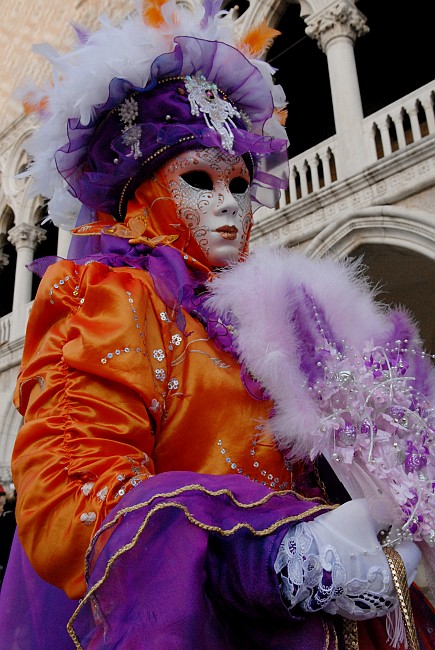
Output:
[[212, 194]]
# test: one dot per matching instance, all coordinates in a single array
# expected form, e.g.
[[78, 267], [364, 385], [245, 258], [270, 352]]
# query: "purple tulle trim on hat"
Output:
[[226, 67], [97, 162]]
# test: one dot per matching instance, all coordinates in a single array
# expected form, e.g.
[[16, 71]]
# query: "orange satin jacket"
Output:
[[112, 393]]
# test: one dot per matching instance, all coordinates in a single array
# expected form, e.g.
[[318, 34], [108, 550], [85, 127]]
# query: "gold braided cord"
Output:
[[330, 638], [145, 162], [325, 625], [197, 487], [320, 483], [350, 634], [400, 580]]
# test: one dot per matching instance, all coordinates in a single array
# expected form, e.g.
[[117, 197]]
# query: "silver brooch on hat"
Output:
[[128, 112], [204, 98]]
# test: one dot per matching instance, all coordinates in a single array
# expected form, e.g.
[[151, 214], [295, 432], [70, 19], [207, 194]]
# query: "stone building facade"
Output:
[[367, 188]]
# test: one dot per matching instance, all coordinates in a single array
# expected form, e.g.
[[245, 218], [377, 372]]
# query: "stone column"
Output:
[[25, 238], [336, 27]]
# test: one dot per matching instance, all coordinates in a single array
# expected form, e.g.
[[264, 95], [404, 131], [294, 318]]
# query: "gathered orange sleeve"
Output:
[[88, 395]]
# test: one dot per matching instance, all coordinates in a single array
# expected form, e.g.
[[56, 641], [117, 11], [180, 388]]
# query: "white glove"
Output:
[[336, 563], [353, 525]]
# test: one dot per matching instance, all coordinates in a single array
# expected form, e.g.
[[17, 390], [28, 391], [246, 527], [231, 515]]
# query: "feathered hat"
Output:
[[128, 97]]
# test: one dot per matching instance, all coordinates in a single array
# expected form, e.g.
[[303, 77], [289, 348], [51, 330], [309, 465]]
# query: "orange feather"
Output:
[[259, 38], [152, 14], [30, 105], [281, 114]]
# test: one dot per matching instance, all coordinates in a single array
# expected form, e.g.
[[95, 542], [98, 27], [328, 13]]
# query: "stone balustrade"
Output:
[[391, 129], [400, 124], [5, 328], [6, 324], [311, 171]]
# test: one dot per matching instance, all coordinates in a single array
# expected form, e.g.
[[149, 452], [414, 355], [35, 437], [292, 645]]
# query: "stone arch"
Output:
[[6, 217], [32, 209], [408, 228], [403, 277], [398, 248], [16, 163]]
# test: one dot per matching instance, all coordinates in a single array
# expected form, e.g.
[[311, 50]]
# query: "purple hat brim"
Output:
[[100, 168]]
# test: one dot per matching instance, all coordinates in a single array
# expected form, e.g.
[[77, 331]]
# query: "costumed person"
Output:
[[161, 503]]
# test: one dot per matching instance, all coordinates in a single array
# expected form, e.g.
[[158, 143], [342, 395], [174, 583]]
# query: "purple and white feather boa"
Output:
[[348, 377]]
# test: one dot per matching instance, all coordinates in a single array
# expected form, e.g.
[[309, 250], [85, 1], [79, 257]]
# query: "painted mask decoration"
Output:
[[211, 190]]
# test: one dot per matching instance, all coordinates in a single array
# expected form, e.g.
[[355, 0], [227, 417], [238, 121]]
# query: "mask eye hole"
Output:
[[200, 180], [238, 185]]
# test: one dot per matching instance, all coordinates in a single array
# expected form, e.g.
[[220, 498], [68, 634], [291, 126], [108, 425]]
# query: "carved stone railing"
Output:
[[400, 124], [310, 171], [6, 333], [5, 328], [391, 129]]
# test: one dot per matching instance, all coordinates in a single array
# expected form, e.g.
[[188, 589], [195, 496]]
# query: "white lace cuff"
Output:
[[316, 575]]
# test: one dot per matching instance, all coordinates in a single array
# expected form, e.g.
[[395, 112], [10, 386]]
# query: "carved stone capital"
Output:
[[26, 236], [340, 18]]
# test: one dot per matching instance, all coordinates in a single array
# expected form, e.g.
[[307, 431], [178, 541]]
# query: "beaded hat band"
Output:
[[140, 134]]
